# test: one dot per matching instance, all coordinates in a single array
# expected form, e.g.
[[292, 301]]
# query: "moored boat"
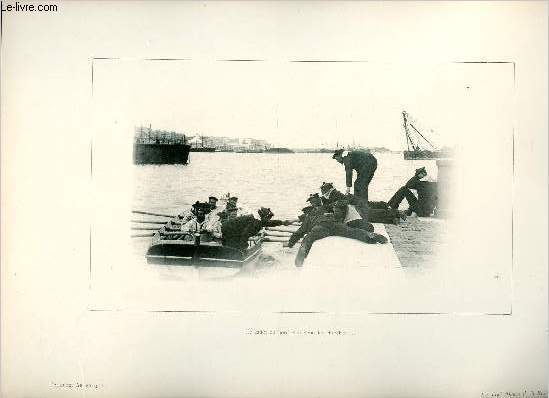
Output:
[[177, 248], [159, 147], [416, 141]]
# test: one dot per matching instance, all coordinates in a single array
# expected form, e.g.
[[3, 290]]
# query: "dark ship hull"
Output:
[[160, 153]]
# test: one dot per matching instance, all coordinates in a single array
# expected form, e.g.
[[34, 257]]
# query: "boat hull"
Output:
[[160, 153], [210, 254]]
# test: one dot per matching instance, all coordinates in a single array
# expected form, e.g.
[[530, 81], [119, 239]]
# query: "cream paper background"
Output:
[[51, 333]]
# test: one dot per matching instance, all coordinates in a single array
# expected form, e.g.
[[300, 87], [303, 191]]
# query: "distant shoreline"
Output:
[[295, 150]]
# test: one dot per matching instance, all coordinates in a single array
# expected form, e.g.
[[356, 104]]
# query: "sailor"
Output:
[[223, 216], [330, 195], [195, 225], [186, 215], [212, 224], [356, 210], [365, 165], [236, 231], [233, 200], [183, 218], [405, 192], [306, 210], [315, 206], [318, 226], [315, 200], [242, 210], [212, 201], [372, 212]]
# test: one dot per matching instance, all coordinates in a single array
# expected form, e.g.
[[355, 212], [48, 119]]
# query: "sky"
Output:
[[306, 104]]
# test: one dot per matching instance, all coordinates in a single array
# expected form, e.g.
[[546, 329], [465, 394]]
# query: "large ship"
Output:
[[159, 147], [200, 147], [419, 147]]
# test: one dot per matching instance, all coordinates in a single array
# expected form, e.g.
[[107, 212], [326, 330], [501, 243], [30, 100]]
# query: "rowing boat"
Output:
[[177, 248]]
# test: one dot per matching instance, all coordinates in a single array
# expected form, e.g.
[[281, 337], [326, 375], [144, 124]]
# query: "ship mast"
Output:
[[408, 135], [409, 140]]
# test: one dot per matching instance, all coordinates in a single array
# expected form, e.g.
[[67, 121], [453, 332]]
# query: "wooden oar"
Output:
[[278, 229], [144, 229], [278, 240], [278, 234], [151, 214], [142, 236], [149, 222]]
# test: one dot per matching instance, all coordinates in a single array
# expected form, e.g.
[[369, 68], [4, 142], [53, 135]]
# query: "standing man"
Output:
[[365, 165]]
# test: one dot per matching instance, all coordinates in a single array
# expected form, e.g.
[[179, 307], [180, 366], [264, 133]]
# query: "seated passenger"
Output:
[[213, 222], [195, 225], [183, 218], [186, 215], [212, 201], [242, 210]]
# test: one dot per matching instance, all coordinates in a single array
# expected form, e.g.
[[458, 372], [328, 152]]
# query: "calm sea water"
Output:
[[279, 181], [282, 182]]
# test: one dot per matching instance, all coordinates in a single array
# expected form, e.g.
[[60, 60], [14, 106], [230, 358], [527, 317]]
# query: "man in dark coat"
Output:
[[315, 200], [319, 225], [377, 212], [236, 231], [330, 195], [365, 165], [315, 205], [405, 192]]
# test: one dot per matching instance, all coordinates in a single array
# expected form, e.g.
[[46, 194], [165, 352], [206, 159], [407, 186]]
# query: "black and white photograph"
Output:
[[269, 210], [290, 199]]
